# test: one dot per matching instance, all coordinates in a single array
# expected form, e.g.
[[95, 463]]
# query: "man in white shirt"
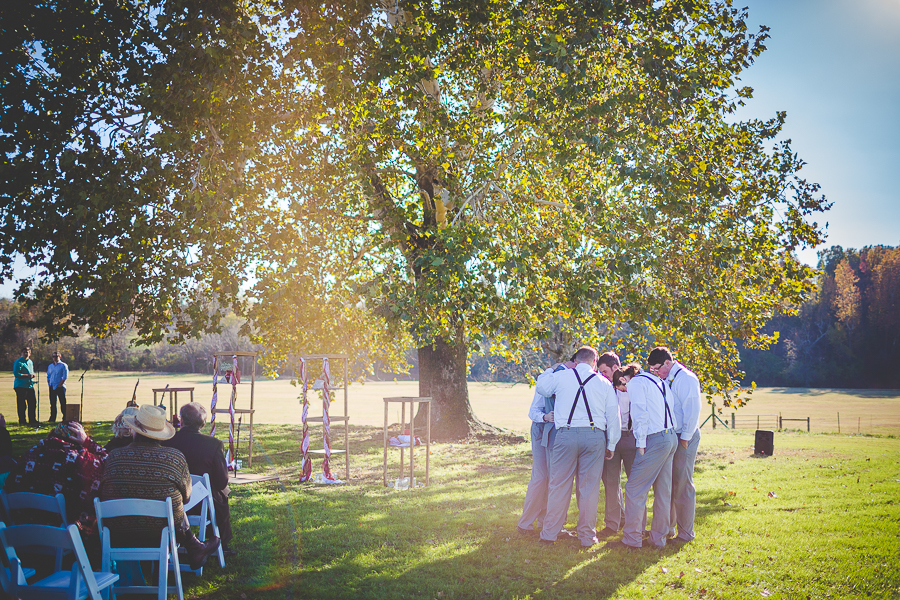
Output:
[[57, 374], [585, 408], [543, 435], [686, 392], [654, 426]]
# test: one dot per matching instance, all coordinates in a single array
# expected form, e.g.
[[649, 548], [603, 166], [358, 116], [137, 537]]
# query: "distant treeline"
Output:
[[847, 335], [116, 352]]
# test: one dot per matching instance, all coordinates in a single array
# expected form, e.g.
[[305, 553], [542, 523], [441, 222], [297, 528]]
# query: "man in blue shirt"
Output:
[[23, 370], [57, 373]]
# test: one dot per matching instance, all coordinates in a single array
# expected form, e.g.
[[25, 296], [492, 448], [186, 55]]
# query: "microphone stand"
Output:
[[81, 379]]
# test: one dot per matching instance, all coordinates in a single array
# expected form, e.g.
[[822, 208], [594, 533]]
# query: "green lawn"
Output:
[[502, 404], [832, 529]]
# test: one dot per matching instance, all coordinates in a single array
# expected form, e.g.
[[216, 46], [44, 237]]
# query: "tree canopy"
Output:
[[367, 176]]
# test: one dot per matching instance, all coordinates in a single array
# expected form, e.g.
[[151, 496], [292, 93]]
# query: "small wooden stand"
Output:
[[173, 398], [412, 400], [242, 411], [345, 418]]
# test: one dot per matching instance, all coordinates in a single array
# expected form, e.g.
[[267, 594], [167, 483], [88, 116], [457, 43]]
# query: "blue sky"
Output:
[[834, 66]]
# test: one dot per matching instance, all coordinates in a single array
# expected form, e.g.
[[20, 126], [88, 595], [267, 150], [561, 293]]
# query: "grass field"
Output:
[[819, 519], [505, 405]]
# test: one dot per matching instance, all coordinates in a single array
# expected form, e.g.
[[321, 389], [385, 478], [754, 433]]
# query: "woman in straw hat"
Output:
[[146, 469]]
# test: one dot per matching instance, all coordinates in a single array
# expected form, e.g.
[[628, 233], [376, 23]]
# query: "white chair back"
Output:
[[53, 506], [201, 494], [28, 500], [166, 554], [76, 584]]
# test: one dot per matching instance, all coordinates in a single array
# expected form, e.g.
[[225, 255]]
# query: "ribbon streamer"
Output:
[[305, 462]]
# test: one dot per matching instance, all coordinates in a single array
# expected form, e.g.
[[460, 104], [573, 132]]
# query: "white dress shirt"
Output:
[[648, 411], [600, 397], [624, 408], [686, 390], [537, 411]]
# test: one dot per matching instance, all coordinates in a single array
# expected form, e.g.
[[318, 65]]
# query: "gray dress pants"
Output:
[[684, 496], [653, 469], [577, 452], [614, 510], [535, 508]]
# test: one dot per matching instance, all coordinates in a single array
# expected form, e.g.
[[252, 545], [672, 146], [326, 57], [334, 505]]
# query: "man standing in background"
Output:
[[23, 370], [57, 373]]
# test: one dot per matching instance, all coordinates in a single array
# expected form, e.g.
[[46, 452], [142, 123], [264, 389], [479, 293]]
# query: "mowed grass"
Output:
[[504, 405], [819, 519]]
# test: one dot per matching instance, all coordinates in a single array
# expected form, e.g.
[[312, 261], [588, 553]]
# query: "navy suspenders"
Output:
[[662, 390], [581, 394]]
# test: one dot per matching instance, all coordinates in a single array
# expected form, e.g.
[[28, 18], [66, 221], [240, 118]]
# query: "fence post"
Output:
[[714, 415], [779, 421], [732, 420], [839, 422], [807, 425], [858, 424]]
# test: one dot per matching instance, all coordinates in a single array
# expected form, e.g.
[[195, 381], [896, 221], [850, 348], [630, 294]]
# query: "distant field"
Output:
[[505, 405]]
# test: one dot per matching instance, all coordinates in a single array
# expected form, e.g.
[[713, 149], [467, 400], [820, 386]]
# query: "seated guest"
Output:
[[205, 454], [66, 462], [145, 469], [7, 462], [121, 432]]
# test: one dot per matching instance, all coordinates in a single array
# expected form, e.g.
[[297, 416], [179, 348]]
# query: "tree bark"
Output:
[[442, 375]]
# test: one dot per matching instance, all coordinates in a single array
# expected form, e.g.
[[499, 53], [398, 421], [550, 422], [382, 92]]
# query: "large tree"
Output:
[[455, 176]]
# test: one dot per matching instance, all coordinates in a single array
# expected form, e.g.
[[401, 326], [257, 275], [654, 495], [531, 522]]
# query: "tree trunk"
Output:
[[442, 375]]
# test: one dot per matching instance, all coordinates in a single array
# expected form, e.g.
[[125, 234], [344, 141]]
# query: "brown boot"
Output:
[[197, 551]]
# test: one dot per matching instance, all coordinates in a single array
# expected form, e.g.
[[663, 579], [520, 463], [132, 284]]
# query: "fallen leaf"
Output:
[[680, 575], [527, 561], [698, 571], [773, 495], [664, 570]]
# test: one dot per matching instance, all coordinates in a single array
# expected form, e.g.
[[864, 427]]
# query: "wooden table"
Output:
[[412, 400], [173, 398]]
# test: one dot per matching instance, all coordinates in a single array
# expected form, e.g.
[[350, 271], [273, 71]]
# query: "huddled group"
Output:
[[145, 459], [591, 416]]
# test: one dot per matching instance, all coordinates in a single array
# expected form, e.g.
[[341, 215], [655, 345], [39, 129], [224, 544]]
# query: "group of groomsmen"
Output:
[[590, 417]]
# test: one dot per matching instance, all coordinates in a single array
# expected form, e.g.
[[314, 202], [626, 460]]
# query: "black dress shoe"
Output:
[[606, 532]]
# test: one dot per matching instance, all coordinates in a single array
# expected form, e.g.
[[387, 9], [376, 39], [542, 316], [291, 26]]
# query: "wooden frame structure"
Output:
[[412, 400], [173, 398], [345, 418], [240, 411]]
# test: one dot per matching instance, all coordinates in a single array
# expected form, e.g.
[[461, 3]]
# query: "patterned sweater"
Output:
[[55, 466], [147, 470]]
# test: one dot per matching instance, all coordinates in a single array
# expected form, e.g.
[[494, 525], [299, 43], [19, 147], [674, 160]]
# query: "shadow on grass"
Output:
[[453, 539], [856, 393]]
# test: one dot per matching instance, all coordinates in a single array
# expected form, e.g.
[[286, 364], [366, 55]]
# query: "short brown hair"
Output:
[[610, 359], [659, 355], [586, 354]]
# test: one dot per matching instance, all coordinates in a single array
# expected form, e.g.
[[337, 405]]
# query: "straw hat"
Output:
[[150, 421]]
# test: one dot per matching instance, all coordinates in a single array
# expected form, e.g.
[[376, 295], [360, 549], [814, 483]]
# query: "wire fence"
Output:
[[847, 422]]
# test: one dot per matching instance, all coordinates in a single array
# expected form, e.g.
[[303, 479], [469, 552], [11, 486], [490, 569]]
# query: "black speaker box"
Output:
[[765, 442]]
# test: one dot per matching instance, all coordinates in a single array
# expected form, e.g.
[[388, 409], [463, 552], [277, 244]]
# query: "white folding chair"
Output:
[[53, 506], [201, 494], [78, 583], [166, 554], [6, 569]]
